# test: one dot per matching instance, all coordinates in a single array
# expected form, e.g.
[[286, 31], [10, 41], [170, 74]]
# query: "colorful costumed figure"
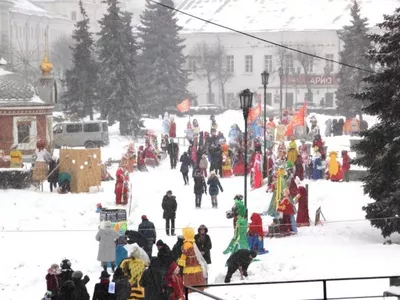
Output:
[[150, 155], [189, 131], [234, 135], [256, 234], [305, 156], [303, 218], [141, 160], [42, 158], [279, 185], [15, 157], [239, 240], [130, 158], [165, 123], [121, 186], [282, 150], [292, 150], [226, 161], [214, 125], [196, 128], [317, 166], [319, 144], [314, 130], [172, 128], [256, 167], [334, 169], [288, 210], [192, 261], [345, 165], [271, 126], [238, 167]]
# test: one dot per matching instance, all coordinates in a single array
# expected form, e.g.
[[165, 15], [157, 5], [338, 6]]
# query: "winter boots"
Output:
[[214, 202]]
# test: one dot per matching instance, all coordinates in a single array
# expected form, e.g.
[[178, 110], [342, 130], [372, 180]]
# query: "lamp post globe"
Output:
[[264, 78]]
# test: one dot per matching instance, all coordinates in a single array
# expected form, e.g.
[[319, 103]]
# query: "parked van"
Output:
[[89, 134]]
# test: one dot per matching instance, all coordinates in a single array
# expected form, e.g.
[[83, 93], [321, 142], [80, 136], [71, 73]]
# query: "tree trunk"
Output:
[[223, 94], [209, 82], [307, 83]]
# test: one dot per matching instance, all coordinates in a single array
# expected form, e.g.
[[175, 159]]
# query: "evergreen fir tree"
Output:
[[380, 146], [117, 53], [81, 80], [163, 79], [355, 49]]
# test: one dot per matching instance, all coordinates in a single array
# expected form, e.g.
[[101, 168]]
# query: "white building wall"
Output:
[[318, 42]]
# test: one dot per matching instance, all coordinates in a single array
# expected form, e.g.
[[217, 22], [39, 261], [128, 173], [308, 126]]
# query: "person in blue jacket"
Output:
[[214, 187]]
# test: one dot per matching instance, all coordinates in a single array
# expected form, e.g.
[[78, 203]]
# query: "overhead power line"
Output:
[[261, 39]]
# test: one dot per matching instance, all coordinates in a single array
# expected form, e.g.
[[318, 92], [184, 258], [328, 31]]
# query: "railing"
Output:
[[323, 281]]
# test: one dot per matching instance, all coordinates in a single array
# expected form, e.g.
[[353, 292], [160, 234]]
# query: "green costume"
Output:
[[239, 240], [277, 195]]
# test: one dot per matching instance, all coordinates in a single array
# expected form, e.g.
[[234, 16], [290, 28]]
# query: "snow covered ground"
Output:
[[41, 228]]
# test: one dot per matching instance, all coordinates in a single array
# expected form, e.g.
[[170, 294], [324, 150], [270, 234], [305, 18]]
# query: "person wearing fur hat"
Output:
[[240, 260], [175, 283], [53, 281], [101, 288], [193, 263], [147, 229], [80, 284], [66, 271], [106, 238]]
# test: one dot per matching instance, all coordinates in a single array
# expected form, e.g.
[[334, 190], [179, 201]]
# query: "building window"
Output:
[[277, 98], [73, 15], [249, 63], [211, 100], [24, 130], [288, 61], [193, 64], [328, 99], [268, 63], [91, 127], [309, 97], [329, 63], [230, 63]]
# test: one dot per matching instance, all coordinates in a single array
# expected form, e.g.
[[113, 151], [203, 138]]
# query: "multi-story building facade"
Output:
[[306, 25], [25, 28]]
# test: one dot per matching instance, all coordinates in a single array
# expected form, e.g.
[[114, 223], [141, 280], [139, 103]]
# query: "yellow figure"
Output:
[[333, 164], [280, 132], [15, 158], [292, 151]]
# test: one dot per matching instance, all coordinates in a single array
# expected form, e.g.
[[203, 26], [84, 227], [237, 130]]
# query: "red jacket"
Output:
[[255, 227], [172, 130], [53, 283], [346, 163], [175, 282], [286, 207]]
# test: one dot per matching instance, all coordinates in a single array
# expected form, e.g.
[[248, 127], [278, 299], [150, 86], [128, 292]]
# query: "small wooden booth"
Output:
[[84, 166]]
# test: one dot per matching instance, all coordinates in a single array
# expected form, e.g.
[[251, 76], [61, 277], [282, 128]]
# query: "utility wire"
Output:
[[261, 39], [179, 228]]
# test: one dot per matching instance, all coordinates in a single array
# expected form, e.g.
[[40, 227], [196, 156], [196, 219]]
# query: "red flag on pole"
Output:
[[297, 120], [254, 113], [184, 106]]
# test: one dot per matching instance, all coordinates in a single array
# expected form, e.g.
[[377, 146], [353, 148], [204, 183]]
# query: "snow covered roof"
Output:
[[277, 15], [28, 8], [15, 90]]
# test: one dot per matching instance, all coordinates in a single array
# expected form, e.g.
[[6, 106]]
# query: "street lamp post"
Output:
[[296, 74], [280, 86], [246, 102], [286, 82], [264, 81]]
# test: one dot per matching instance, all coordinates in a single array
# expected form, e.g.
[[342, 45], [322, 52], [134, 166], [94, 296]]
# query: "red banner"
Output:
[[297, 120], [184, 106], [254, 113], [313, 79]]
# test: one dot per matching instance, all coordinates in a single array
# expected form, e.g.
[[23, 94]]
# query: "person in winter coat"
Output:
[[122, 287], [67, 291], [203, 165], [240, 260], [53, 281], [203, 242], [200, 187], [173, 152], [186, 162], [66, 271], [214, 187], [177, 250], [107, 237], [175, 283], [101, 288], [165, 256], [147, 229], [80, 285], [53, 173], [172, 128], [169, 206], [153, 282]]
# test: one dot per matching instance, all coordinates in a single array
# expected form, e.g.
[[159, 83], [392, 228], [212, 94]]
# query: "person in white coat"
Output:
[[107, 236]]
